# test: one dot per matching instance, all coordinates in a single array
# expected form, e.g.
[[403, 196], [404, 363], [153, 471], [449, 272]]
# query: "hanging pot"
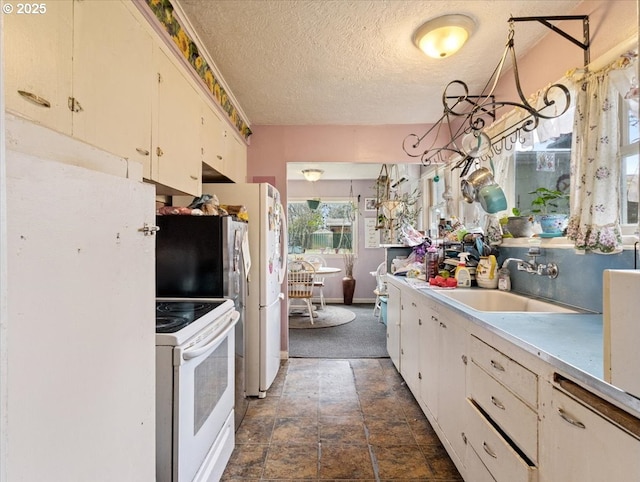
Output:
[[468, 191], [313, 204]]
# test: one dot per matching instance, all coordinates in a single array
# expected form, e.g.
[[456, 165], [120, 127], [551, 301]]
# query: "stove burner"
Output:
[[173, 316], [170, 324], [180, 307]]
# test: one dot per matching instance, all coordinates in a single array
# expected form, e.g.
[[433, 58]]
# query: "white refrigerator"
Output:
[[267, 253]]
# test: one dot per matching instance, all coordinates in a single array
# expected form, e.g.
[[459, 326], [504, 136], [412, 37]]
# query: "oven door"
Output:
[[203, 396]]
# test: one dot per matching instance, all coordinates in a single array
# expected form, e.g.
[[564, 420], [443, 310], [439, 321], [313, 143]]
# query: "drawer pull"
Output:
[[572, 421], [195, 178], [414, 305], [144, 152], [497, 402], [490, 452], [34, 98], [497, 366], [442, 325]]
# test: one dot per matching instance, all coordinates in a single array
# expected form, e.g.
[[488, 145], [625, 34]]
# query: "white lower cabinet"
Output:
[[452, 378], [393, 325], [579, 445], [499, 412], [410, 326]]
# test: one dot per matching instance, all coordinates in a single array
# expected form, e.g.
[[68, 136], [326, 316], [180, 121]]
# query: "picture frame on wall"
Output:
[[369, 204]]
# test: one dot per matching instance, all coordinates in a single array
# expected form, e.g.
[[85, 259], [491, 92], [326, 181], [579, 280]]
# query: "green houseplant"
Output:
[[548, 205]]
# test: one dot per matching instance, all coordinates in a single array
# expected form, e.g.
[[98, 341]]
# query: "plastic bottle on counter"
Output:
[[504, 279], [463, 275], [431, 262]]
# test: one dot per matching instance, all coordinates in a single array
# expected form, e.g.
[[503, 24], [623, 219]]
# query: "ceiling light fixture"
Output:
[[444, 36], [312, 175]]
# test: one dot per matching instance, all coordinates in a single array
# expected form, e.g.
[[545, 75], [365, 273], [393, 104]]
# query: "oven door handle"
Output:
[[197, 350]]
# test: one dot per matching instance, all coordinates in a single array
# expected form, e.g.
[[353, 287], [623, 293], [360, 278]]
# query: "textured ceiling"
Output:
[[323, 62]]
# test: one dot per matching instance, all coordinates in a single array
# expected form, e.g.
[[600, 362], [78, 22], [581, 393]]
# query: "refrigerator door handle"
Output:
[[277, 300], [284, 242]]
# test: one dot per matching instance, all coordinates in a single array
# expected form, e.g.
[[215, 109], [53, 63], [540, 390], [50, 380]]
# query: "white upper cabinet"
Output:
[[212, 138], [112, 78], [177, 153], [235, 165], [38, 57]]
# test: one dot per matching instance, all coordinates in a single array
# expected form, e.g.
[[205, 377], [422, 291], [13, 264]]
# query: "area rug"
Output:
[[364, 337], [328, 316]]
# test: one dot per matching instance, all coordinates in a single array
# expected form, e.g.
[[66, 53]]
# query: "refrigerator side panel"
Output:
[[269, 345], [270, 247]]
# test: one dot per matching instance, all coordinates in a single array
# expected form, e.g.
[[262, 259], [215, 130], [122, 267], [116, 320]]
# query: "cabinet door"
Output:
[[429, 359], [236, 158], [37, 69], [81, 355], [410, 323], [177, 154], [112, 80], [212, 140], [578, 445], [452, 375], [393, 324]]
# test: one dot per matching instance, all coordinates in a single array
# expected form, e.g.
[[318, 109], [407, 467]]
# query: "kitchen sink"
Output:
[[494, 300]]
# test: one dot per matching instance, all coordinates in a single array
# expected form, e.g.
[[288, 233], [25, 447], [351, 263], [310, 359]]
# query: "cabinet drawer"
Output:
[[506, 410], [503, 462], [475, 469], [514, 376]]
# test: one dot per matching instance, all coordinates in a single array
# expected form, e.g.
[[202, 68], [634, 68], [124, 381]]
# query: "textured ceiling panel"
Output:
[[305, 62]]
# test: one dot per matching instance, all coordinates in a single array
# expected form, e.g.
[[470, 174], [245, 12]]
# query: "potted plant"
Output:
[[518, 225], [546, 205]]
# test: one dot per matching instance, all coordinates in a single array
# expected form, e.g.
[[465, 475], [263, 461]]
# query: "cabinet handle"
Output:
[[414, 305], [572, 421], [219, 157], [497, 366], [419, 321], [464, 437], [443, 325], [195, 178], [35, 98], [464, 359], [159, 152], [497, 402], [419, 376], [142, 151], [434, 318], [488, 450]]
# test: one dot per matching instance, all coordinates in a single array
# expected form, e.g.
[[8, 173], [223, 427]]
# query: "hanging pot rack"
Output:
[[472, 109]]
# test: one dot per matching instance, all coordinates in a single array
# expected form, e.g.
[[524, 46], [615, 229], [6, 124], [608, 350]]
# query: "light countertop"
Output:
[[572, 343]]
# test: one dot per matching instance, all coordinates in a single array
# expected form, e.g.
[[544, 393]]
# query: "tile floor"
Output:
[[327, 419]]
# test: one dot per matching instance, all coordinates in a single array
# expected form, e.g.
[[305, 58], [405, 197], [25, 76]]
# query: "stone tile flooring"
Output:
[[341, 420]]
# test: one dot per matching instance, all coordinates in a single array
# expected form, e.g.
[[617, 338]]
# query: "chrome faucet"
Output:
[[550, 269]]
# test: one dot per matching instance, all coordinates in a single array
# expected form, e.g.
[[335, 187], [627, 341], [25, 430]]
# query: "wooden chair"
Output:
[[318, 283], [381, 288], [300, 277]]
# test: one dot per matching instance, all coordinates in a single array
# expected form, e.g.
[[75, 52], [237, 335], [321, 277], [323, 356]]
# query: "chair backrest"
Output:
[[300, 277], [316, 261], [380, 284]]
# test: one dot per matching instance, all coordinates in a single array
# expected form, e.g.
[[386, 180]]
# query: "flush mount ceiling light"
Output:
[[444, 36], [312, 175]]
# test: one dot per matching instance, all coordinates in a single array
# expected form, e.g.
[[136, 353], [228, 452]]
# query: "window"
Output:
[[547, 165], [630, 164], [329, 228]]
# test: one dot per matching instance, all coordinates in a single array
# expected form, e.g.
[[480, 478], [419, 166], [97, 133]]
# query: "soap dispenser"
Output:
[[463, 275]]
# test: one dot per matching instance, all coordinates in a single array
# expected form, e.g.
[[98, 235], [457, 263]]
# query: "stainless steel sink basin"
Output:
[[494, 300]]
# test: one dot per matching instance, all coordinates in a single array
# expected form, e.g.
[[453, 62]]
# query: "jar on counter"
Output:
[[431, 261]]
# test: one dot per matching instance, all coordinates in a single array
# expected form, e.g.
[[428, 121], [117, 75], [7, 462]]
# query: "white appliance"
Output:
[[194, 388], [621, 327], [267, 247]]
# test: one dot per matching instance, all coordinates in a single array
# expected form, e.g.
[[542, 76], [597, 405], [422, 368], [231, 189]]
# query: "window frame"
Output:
[[354, 227]]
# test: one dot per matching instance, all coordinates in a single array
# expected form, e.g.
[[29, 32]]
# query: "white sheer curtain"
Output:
[[595, 161]]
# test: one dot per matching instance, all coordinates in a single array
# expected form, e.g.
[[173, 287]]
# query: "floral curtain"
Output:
[[595, 162]]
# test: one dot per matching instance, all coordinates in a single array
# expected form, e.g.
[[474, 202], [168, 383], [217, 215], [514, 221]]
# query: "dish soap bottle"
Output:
[[463, 275]]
